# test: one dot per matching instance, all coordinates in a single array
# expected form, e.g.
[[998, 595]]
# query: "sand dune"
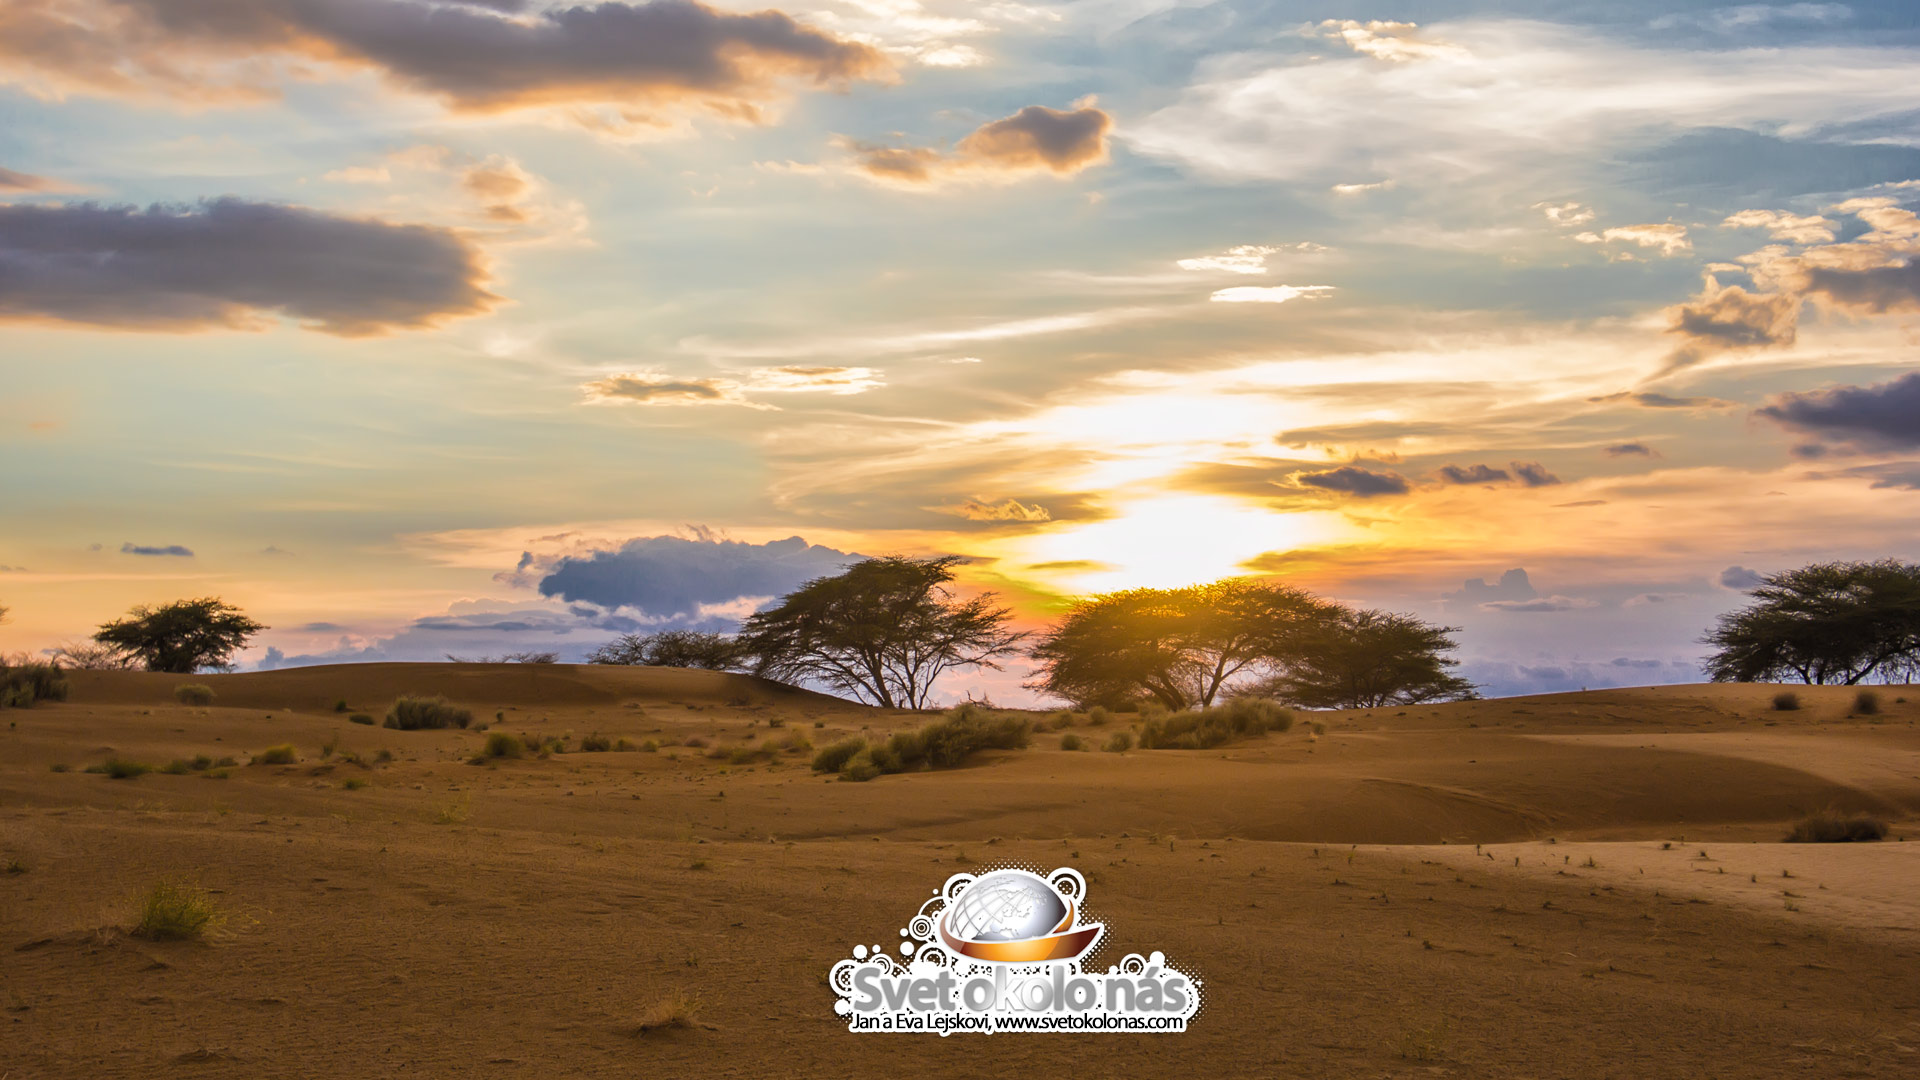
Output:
[[515, 919]]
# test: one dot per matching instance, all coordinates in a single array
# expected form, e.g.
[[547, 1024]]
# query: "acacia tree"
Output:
[[1180, 647], [1839, 622], [884, 630], [672, 648], [182, 637], [1367, 659]]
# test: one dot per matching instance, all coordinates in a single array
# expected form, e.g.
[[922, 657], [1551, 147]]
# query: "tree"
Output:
[[530, 656], [884, 630], [1180, 647], [90, 656], [672, 648], [1367, 659], [1839, 622], [182, 637]]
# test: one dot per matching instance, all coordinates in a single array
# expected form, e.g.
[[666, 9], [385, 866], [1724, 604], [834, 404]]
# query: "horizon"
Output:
[[1557, 323]]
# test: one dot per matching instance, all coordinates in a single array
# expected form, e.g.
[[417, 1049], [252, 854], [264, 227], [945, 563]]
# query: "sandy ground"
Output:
[[1585, 885]]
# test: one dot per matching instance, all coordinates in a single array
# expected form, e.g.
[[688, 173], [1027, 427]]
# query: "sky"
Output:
[[429, 327]]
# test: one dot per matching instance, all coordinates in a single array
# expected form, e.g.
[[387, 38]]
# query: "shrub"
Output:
[[415, 713], [340, 705], [355, 783], [360, 718], [677, 1009], [60, 766], [193, 693], [502, 745], [1098, 715], [596, 744], [1786, 701], [1060, 720], [284, 754], [121, 769], [327, 748], [835, 757], [624, 744], [796, 742], [695, 741], [860, 768], [1071, 741], [651, 746], [225, 763], [1121, 742], [1241, 718], [178, 767], [1833, 828], [1866, 703], [23, 684], [175, 911], [201, 763]]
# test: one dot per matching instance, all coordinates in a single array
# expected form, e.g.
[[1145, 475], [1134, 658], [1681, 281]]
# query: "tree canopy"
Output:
[[1186, 647], [884, 630], [1838, 622], [673, 648], [182, 637]]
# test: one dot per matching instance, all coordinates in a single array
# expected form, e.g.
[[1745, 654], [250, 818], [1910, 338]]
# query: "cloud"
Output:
[[1033, 141], [632, 59], [673, 576], [1891, 475], [1728, 20], [1781, 225], [1877, 289], [1648, 399], [1740, 579], [1630, 449], [1360, 189], [1670, 239], [359, 174], [1882, 416], [1513, 585], [233, 264], [1540, 604], [1727, 319], [1643, 599], [1241, 259], [1010, 510], [175, 550], [1267, 294], [1474, 474], [1355, 481], [1533, 474], [1566, 215], [1396, 42], [19, 181], [655, 388]]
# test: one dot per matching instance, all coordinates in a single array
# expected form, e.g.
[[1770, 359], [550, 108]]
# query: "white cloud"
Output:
[[1361, 189], [1266, 294], [1566, 215], [1729, 20], [1396, 42], [1670, 239], [1781, 225]]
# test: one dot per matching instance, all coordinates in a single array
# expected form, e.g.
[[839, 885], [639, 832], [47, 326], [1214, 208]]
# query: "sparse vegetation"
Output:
[[193, 694], [833, 758], [1120, 743], [416, 713], [284, 754], [355, 783], [1866, 703], [23, 684], [174, 910], [1070, 741], [1241, 718], [361, 718], [1786, 701], [677, 1009], [122, 769], [502, 745], [595, 744], [1834, 828]]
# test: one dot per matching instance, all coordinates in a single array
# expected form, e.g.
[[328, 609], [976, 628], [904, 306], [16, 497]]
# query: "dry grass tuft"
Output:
[[1834, 828], [174, 910], [676, 1010]]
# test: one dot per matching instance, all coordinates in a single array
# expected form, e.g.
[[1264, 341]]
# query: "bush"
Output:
[[834, 758], [1060, 720], [178, 767], [1241, 718], [1786, 701], [355, 783], [340, 705], [1833, 828], [120, 769], [596, 744], [1071, 741], [360, 718], [651, 746], [1121, 742], [675, 1010], [1098, 715], [23, 684], [175, 911], [415, 713], [502, 745], [193, 693], [943, 744], [284, 754], [1866, 703], [796, 742]]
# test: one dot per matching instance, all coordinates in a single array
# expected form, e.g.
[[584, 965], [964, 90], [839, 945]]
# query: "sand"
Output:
[[1352, 898]]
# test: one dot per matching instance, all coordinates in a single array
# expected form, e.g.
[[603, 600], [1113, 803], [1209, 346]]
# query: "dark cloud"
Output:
[[322, 628], [1355, 481], [1474, 474], [628, 56], [144, 549], [231, 263], [1533, 474], [668, 576], [648, 389], [1877, 289], [1631, 449], [1624, 662], [1891, 475], [1739, 578], [1513, 585], [1729, 318], [1882, 416], [1034, 140], [1652, 400]]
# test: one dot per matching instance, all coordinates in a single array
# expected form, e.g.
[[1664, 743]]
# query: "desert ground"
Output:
[[1578, 885]]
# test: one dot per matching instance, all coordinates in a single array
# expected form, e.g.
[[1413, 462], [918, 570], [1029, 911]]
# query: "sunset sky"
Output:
[[463, 326]]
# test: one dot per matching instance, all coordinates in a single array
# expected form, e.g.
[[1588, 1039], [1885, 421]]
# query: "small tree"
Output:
[[884, 630], [90, 656], [182, 637], [1367, 659], [672, 648], [1839, 622]]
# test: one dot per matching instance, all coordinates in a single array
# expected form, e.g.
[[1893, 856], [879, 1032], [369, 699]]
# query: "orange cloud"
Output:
[[1034, 140]]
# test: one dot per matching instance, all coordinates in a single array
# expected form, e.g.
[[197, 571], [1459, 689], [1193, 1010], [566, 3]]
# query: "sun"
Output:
[[1162, 542]]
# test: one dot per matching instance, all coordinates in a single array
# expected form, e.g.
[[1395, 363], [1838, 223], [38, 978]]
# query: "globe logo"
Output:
[[1014, 916]]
